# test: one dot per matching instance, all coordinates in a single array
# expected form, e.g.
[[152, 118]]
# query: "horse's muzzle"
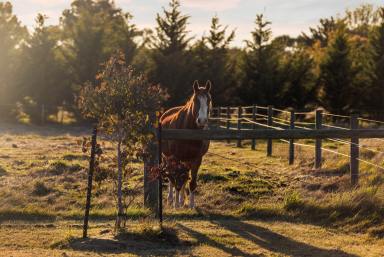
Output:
[[201, 122]]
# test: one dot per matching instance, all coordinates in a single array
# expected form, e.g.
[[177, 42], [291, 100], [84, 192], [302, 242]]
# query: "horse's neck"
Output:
[[187, 119]]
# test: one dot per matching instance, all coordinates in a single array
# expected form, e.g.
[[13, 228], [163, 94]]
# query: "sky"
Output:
[[287, 17]]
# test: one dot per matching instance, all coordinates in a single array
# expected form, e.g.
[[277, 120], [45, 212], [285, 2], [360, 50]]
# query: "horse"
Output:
[[193, 114]]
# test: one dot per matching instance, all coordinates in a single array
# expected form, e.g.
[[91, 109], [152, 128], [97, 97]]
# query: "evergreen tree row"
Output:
[[338, 65]]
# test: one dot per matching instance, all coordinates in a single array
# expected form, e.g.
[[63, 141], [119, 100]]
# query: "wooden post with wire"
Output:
[[160, 179], [228, 121], [89, 185], [42, 114], [254, 112], [318, 142], [239, 117], [150, 161], [291, 141], [354, 161], [269, 123], [219, 116]]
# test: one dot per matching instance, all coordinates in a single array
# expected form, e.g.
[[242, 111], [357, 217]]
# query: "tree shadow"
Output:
[[130, 243], [204, 239], [11, 215], [333, 172], [48, 130], [275, 242]]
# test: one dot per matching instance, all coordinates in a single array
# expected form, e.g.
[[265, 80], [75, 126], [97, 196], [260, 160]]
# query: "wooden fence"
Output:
[[248, 126], [289, 132], [241, 123]]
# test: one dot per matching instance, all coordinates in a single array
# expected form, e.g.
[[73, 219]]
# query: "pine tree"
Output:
[[298, 80], [172, 63], [43, 76], [172, 30], [319, 34], [259, 85], [377, 44], [214, 63], [217, 38], [336, 73], [361, 19], [12, 35], [92, 32]]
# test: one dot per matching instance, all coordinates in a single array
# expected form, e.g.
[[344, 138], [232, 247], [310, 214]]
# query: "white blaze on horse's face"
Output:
[[202, 117]]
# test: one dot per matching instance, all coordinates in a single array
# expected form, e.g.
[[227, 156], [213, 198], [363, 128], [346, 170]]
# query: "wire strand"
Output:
[[336, 115], [332, 126]]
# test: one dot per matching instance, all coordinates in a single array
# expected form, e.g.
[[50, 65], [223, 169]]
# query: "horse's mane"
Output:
[[182, 115]]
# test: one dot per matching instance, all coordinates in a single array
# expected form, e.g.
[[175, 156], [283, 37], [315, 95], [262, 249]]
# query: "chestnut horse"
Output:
[[193, 115]]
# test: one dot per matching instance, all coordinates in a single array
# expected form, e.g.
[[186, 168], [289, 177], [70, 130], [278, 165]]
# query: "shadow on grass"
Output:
[[141, 248], [275, 242], [204, 239], [35, 215], [149, 242], [335, 172], [359, 212], [11, 215], [18, 129]]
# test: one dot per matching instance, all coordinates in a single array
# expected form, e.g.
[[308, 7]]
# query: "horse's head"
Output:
[[202, 103]]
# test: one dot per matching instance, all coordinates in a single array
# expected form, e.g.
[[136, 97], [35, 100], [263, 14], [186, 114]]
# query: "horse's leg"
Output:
[[177, 199], [170, 194], [193, 183], [182, 195]]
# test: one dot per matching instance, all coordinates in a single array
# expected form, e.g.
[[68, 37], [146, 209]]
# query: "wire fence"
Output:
[[279, 119]]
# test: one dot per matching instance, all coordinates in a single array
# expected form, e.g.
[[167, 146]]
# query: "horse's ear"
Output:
[[208, 85], [195, 86]]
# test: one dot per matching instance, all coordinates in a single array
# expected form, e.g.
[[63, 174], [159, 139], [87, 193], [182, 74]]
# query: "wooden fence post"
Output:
[[354, 165], [160, 180], [228, 121], [270, 123], [291, 141], [42, 114], [89, 185], [239, 117], [318, 142], [254, 112], [220, 113], [151, 160]]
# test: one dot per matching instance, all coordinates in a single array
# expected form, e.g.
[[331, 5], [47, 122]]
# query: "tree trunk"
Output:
[[120, 209]]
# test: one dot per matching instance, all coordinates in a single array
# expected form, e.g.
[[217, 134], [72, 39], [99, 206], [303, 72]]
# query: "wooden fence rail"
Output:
[[318, 134], [221, 134]]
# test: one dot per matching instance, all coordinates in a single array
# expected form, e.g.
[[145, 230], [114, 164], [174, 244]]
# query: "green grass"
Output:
[[49, 182]]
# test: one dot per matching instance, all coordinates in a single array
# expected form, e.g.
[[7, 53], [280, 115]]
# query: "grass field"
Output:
[[247, 204]]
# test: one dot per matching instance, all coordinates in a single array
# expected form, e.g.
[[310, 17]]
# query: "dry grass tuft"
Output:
[[40, 189], [3, 172]]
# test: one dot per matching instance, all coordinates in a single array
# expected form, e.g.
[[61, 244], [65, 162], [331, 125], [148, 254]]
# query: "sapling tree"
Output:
[[121, 103]]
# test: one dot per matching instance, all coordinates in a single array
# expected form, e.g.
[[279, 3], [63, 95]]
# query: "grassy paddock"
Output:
[[43, 181]]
